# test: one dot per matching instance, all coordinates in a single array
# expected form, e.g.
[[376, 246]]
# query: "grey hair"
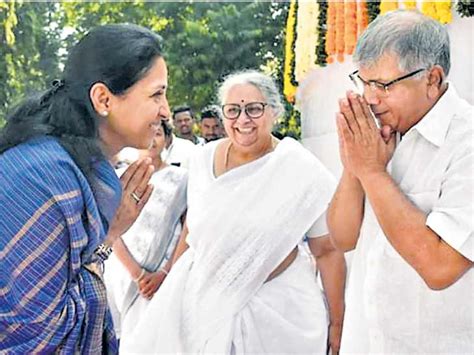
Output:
[[264, 83], [417, 40]]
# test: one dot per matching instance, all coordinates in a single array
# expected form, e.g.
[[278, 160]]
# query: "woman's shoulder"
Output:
[[44, 153], [41, 161]]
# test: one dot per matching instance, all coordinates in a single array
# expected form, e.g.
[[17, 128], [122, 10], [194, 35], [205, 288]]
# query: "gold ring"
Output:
[[135, 197]]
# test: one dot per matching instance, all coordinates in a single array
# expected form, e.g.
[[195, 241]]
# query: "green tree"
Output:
[[203, 41], [30, 39]]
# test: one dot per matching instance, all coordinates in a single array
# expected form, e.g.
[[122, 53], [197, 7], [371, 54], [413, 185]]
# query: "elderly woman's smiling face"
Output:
[[248, 131]]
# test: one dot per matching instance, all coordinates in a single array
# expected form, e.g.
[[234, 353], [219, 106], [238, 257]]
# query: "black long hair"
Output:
[[115, 55]]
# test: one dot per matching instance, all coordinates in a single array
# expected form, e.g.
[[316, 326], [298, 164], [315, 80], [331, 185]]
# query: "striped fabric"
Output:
[[52, 299]]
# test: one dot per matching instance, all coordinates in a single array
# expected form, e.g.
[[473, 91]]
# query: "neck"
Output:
[[423, 113], [109, 144], [235, 156], [188, 136]]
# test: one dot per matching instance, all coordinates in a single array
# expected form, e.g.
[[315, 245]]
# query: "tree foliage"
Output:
[[29, 45], [204, 41]]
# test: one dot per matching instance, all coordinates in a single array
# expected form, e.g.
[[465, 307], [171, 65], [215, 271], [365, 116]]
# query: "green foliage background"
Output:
[[204, 41]]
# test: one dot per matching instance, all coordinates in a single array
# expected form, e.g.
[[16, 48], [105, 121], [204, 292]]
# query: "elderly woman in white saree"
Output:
[[142, 256], [242, 283]]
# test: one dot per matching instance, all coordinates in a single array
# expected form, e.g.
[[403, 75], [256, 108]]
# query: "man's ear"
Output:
[[435, 80], [100, 96]]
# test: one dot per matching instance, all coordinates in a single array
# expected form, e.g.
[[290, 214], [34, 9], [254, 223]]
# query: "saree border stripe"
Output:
[[38, 213]]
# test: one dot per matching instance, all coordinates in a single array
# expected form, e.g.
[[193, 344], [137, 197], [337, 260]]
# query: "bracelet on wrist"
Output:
[[164, 271], [141, 276], [103, 251]]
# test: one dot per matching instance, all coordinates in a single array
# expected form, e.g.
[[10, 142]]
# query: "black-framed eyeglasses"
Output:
[[377, 87], [252, 109]]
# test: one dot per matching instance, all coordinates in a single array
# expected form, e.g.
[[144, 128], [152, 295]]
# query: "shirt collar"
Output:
[[434, 126]]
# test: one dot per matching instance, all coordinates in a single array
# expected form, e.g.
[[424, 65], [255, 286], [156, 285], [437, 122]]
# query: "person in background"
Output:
[[183, 121], [61, 204], [211, 123], [406, 207], [142, 256]]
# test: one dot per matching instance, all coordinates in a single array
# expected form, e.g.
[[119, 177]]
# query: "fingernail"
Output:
[[353, 95], [148, 160]]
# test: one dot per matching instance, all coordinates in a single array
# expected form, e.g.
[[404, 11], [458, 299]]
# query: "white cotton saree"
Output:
[[242, 225]]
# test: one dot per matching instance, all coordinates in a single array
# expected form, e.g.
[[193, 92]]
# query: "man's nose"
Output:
[[371, 96]]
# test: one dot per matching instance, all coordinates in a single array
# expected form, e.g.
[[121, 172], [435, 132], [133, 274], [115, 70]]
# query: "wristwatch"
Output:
[[103, 251]]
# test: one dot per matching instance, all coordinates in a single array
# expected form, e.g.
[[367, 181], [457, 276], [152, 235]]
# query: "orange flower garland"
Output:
[[340, 31], [350, 13], [362, 17], [331, 32]]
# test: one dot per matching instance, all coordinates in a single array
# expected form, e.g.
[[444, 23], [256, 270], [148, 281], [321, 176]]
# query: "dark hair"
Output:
[[212, 111], [180, 109], [116, 55]]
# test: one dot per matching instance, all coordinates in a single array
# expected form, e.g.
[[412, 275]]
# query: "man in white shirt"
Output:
[[178, 151], [406, 207]]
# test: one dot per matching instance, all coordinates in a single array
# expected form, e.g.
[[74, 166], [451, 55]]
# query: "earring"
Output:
[[104, 113]]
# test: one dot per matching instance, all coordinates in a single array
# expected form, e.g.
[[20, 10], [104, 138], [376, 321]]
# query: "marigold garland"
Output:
[[350, 14], [340, 31], [409, 5], [289, 83], [321, 55], [388, 5], [439, 10], [362, 17], [331, 32], [443, 11], [429, 9]]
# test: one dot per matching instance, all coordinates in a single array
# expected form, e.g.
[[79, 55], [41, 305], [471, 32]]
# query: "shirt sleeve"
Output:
[[452, 216], [319, 227]]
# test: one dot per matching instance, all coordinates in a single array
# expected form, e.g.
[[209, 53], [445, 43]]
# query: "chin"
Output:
[[245, 143]]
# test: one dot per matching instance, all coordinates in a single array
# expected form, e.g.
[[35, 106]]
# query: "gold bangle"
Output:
[[141, 276]]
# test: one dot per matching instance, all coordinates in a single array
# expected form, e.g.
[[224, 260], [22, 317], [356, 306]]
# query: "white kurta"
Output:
[[215, 299], [389, 308]]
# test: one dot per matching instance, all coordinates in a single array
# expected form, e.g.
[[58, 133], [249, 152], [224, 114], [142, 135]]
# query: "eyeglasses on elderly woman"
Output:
[[252, 109]]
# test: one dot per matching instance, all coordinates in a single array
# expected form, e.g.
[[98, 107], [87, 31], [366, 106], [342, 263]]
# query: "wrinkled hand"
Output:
[[150, 283], [364, 148], [334, 338], [134, 180]]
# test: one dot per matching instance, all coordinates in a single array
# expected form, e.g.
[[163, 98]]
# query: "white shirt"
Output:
[[389, 307], [179, 152]]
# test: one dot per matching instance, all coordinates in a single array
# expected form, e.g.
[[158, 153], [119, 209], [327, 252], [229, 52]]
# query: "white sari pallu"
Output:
[[242, 225]]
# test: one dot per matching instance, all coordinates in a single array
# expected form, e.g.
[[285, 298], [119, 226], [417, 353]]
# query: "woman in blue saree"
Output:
[[61, 204]]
